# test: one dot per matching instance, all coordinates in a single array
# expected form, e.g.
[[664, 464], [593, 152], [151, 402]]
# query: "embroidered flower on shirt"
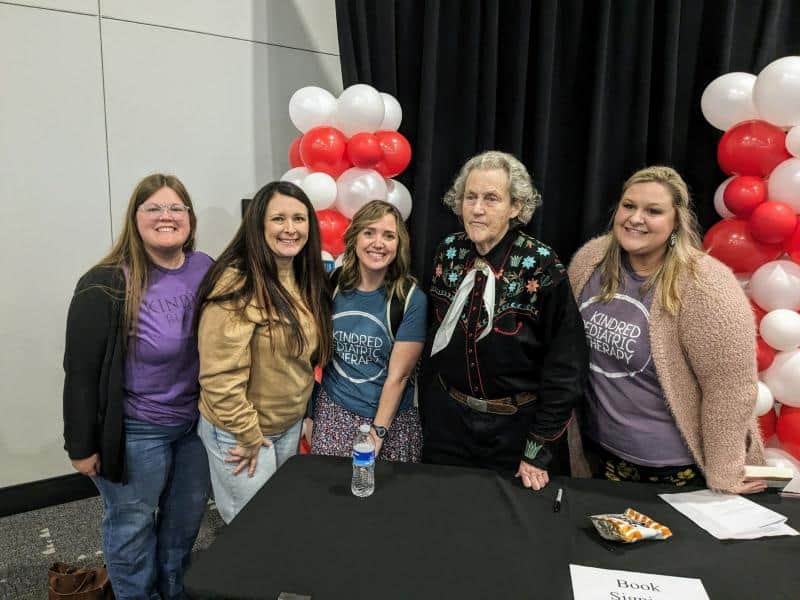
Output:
[[543, 251], [452, 277], [449, 239], [515, 260], [532, 286], [439, 270], [528, 262], [451, 253], [462, 253], [512, 287]]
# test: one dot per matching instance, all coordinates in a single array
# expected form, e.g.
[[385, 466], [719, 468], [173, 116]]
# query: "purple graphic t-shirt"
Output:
[[626, 410], [162, 364]]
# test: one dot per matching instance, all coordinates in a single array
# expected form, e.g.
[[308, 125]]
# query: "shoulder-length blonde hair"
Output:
[[128, 252], [520, 186], [679, 258], [398, 275]]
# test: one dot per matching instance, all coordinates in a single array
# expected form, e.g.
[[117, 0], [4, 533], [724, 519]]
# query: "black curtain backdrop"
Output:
[[584, 93]]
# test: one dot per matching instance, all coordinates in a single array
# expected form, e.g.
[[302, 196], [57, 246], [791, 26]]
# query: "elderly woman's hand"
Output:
[[750, 487], [532, 477]]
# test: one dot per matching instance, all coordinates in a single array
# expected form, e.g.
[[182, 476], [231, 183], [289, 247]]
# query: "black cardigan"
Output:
[[93, 371]]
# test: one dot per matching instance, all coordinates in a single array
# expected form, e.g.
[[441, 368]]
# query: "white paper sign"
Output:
[[591, 583]]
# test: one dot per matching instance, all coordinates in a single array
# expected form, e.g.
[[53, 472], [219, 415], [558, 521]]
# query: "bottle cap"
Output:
[[364, 428]]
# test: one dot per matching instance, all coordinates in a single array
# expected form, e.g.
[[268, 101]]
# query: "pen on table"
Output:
[[557, 501]]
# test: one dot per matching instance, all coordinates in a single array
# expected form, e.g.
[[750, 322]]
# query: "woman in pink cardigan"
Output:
[[672, 383]]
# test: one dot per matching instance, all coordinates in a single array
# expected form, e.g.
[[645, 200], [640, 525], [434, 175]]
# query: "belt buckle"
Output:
[[476, 404]]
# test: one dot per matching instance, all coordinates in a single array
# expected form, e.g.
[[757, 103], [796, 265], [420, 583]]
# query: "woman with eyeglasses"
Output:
[[131, 391], [264, 323]]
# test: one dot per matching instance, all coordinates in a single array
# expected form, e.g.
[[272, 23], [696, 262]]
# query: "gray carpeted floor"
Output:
[[30, 542]]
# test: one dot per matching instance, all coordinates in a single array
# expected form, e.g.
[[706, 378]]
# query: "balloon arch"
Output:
[[347, 155], [759, 235]]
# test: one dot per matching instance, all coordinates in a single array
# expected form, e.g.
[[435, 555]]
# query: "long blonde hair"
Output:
[[398, 275], [679, 258], [128, 252]]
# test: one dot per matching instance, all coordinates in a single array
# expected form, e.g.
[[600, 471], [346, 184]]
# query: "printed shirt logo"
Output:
[[615, 340], [358, 356]]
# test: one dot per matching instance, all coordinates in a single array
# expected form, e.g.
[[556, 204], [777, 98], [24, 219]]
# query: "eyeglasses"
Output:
[[155, 210]]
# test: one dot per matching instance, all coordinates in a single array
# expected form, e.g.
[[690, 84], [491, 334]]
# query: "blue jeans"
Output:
[[151, 522], [233, 492]]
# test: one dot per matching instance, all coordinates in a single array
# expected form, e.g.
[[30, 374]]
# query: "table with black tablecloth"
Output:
[[439, 532]]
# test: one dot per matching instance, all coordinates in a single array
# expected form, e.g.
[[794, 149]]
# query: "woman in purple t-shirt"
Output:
[[130, 391], [672, 382]]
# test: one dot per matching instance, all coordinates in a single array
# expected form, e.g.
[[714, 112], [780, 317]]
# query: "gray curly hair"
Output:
[[520, 187]]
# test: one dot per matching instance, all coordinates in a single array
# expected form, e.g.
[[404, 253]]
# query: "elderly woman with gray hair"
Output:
[[508, 358]]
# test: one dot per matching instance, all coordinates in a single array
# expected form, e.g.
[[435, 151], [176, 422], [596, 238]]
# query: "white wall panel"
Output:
[[211, 110], [309, 24], [81, 6], [55, 221]]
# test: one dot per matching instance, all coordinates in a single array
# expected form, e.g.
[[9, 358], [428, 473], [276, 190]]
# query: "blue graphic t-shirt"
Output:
[[363, 344]]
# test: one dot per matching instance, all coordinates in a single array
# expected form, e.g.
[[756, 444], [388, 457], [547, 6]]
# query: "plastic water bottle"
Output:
[[363, 483]]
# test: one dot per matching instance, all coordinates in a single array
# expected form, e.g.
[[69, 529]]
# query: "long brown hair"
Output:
[[398, 275], [679, 258], [128, 253], [258, 284]]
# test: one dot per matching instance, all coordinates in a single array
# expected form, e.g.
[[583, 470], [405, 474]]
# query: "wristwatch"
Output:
[[380, 431]]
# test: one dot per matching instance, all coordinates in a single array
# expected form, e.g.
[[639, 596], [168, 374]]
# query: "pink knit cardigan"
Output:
[[705, 360]]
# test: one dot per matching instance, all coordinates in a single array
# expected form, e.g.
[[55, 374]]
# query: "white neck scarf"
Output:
[[445, 331]]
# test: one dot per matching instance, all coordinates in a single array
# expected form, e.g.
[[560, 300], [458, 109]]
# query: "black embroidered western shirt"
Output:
[[536, 343]]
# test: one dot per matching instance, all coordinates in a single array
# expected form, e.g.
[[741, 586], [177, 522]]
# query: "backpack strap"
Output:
[[335, 281], [396, 310]]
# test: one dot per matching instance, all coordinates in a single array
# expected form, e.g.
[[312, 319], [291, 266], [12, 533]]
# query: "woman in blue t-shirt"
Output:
[[379, 321]]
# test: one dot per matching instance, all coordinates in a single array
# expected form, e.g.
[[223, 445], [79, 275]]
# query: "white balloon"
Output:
[[719, 201], [780, 328], [398, 194], [296, 175], [728, 100], [392, 113], [356, 187], [320, 189], [783, 184], [783, 377], [359, 108], [778, 457], [793, 141], [311, 107], [764, 401], [776, 285], [776, 93]]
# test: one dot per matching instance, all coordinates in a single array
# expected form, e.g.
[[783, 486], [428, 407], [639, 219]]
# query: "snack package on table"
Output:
[[629, 527]]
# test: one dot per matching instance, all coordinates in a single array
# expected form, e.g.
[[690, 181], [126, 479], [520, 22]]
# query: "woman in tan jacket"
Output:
[[264, 324], [672, 382]]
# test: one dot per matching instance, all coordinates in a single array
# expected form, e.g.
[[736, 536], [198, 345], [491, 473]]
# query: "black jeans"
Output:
[[454, 434]]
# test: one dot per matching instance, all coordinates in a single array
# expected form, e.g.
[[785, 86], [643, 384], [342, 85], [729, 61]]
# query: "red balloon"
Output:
[[758, 313], [743, 194], [322, 149], [752, 148], [730, 241], [364, 150], [792, 245], [767, 425], [332, 225], [773, 222], [294, 153], [396, 153], [765, 354], [788, 429], [339, 168]]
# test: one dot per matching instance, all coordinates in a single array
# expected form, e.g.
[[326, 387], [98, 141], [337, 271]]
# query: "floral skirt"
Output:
[[335, 428], [607, 465]]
